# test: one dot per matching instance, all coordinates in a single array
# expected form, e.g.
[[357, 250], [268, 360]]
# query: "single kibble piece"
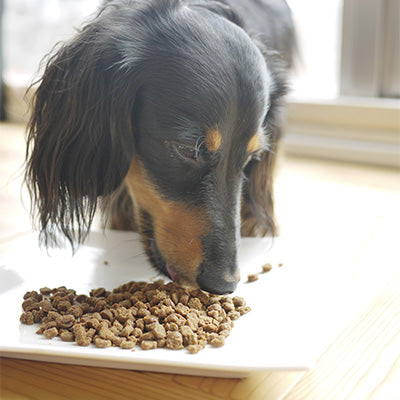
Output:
[[51, 333], [266, 267], [102, 343], [148, 344], [27, 318], [67, 336], [252, 277], [174, 340], [127, 344], [45, 290], [218, 341]]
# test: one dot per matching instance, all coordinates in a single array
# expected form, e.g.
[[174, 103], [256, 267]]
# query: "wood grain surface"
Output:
[[347, 219]]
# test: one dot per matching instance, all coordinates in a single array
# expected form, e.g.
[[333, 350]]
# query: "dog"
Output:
[[166, 114]]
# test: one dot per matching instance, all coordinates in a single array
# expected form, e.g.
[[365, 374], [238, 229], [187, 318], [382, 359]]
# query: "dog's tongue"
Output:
[[171, 272]]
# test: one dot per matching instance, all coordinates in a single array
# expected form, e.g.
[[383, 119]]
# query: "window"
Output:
[[346, 87], [30, 30], [345, 105]]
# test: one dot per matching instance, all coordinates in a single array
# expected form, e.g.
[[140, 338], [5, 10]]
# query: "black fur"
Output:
[[148, 79]]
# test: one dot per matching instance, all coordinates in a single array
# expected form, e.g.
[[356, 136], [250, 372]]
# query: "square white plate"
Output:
[[275, 335]]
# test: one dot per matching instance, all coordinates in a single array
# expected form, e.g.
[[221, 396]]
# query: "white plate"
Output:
[[273, 336]]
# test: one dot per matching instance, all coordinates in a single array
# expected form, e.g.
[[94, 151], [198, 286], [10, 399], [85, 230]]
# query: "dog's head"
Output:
[[176, 102]]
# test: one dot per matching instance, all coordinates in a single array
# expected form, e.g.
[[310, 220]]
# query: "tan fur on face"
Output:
[[254, 144], [177, 228], [213, 140]]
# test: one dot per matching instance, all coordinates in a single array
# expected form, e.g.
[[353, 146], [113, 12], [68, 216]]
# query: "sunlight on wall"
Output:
[[318, 26], [32, 27]]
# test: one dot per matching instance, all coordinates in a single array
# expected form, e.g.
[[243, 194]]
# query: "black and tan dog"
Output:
[[167, 112]]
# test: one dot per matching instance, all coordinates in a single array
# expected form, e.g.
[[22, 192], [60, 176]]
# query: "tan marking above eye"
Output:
[[213, 140], [254, 144]]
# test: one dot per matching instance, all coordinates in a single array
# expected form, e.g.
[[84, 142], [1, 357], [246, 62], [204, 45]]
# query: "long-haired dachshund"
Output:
[[166, 112]]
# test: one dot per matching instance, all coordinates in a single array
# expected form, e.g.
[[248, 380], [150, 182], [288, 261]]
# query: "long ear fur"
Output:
[[80, 137], [118, 212], [257, 212]]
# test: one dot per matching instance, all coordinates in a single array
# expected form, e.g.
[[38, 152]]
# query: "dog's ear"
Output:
[[257, 212], [80, 137]]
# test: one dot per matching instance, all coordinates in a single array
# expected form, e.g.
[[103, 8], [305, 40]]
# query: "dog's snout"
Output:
[[215, 281]]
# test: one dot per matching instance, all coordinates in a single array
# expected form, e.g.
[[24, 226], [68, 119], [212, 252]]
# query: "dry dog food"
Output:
[[149, 315], [252, 277], [266, 267]]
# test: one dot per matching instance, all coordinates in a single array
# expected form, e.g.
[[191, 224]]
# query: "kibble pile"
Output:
[[151, 315]]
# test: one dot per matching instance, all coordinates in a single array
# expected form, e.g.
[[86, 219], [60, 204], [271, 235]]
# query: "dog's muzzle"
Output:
[[219, 271], [214, 281]]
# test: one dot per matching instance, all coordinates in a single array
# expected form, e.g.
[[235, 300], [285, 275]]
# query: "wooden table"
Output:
[[347, 219]]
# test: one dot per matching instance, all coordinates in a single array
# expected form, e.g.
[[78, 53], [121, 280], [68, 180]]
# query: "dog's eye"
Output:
[[252, 156], [185, 152]]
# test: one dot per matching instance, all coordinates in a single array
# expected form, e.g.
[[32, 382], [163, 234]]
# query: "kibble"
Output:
[[174, 340], [67, 336], [51, 333], [149, 315], [127, 344], [266, 268], [252, 278], [148, 344]]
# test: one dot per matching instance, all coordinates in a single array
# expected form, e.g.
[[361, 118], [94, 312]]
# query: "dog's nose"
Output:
[[211, 280]]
